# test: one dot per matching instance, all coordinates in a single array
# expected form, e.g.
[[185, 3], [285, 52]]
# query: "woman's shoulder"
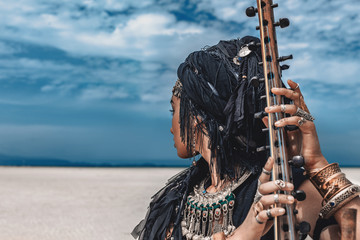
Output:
[[168, 201]]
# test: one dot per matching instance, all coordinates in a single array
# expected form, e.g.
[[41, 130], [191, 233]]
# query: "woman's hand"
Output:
[[310, 146], [258, 221], [265, 198]]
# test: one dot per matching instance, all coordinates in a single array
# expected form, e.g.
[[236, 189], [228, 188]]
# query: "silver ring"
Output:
[[258, 196], [258, 221], [280, 184], [304, 114], [276, 198], [283, 107], [301, 121], [297, 86], [266, 171], [268, 213]]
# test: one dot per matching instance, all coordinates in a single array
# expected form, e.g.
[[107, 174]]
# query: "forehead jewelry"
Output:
[[177, 89]]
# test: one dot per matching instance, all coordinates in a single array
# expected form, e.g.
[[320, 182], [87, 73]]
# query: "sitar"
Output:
[[285, 227]]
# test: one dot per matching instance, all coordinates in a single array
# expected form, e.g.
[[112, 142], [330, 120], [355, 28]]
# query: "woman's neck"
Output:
[[216, 182]]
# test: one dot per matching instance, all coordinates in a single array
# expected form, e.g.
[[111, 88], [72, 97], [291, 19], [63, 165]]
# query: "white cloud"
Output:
[[100, 36], [151, 35], [103, 92]]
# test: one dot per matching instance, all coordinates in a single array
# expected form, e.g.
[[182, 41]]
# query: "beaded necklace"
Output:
[[208, 213]]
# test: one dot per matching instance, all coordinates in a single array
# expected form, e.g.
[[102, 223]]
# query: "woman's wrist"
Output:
[[333, 186], [314, 163]]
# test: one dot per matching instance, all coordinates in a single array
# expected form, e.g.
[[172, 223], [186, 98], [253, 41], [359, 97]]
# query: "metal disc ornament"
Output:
[[244, 51]]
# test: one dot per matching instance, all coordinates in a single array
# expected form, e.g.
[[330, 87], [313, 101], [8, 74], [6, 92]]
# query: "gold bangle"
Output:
[[320, 177], [335, 184]]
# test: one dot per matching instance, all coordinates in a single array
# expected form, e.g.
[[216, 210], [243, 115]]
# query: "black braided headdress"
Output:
[[216, 89]]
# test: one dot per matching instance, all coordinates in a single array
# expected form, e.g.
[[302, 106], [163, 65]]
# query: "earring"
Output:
[[193, 148], [194, 143]]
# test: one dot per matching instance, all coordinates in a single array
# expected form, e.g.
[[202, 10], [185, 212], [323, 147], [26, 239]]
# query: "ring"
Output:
[[266, 171], [297, 86], [258, 194], [304, 114], [280, 184], [258, 207], [283, 108], [276, 198], [268, 213], [258, 221], [301, 121]]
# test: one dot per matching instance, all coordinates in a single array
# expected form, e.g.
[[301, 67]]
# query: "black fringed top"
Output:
[[167, 205]]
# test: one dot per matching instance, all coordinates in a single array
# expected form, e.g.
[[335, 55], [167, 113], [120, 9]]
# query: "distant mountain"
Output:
[[6, 160]]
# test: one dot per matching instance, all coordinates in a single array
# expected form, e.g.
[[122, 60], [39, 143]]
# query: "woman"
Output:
[[228, 194]]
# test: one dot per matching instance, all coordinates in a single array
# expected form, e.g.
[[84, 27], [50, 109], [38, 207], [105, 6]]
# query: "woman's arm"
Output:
[[315, 164]]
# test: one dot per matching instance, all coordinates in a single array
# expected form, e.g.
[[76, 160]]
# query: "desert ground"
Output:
[[42, 203]]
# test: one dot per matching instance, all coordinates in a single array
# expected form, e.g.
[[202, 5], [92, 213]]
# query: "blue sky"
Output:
[[91, 80]]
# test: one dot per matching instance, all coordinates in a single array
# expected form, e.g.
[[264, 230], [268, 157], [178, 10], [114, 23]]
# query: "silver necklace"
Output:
[[208, 213]]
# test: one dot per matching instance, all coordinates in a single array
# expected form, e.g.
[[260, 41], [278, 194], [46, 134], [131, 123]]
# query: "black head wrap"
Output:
[[216, 88]]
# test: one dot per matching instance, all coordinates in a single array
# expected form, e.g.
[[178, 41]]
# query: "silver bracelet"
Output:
[[339, 200]]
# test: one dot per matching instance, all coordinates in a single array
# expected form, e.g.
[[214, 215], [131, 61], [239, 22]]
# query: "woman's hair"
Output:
[[217, 90]]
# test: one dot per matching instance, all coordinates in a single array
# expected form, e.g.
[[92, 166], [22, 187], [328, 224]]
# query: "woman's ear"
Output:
[[266, 121]]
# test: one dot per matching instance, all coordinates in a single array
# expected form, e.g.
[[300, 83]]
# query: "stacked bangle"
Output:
[[339, 200], [334, 187]]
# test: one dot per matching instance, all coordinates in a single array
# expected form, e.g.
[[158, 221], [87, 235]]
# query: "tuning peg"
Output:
[[283, 23], [284, 58], [263, 148], [299, 195], [262, 97], [251, 11], [260, 115], [304, 228], [264, 129], [260, 63], [297, 161], [256, 80], [275, 5], [285, 67]]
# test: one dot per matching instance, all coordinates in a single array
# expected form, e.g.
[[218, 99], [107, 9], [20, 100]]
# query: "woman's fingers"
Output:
[[305, 125], [265, 175], [289, 93], [286, 108], [265, 215], [270, 187], [272, 199], [294, 86]]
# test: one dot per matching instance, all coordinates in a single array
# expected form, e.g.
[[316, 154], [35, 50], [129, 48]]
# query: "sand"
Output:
[[79, 203]]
